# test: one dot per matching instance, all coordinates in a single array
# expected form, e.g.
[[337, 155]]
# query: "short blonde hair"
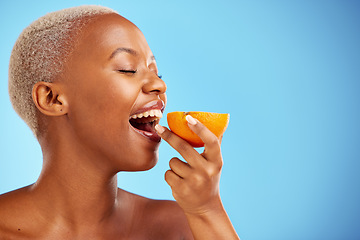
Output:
[[41, 52]]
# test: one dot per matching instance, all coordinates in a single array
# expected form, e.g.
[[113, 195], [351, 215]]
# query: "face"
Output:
[[115, 96]]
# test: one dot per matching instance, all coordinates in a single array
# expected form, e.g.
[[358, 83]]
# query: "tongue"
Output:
[[144, 127], [147, 130]]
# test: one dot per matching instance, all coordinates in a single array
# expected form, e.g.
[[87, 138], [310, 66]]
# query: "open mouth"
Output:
[[144, 123]]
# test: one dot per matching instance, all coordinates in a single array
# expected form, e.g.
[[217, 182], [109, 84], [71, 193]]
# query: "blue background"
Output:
[[288, 72]]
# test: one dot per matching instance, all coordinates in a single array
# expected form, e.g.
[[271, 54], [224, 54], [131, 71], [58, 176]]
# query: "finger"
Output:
[[211, 142], [180, 145], [180, 168], [172, 179]]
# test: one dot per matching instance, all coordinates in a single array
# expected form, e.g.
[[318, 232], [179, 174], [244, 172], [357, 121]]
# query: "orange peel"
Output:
[[215, 122]]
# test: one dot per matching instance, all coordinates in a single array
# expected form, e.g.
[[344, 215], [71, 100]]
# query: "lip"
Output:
[[152, 136], [156, 104]]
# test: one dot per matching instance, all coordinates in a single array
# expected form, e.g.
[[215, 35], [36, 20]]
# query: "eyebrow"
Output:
[[126, 50], [122, 49]]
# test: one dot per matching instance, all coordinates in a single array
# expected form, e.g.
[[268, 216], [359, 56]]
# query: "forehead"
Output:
[[108, 33]]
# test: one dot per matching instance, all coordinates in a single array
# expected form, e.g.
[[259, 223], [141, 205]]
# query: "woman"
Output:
[[85, 80]]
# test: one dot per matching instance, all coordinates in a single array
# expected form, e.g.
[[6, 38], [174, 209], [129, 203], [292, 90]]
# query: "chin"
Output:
[[150, 163], [141, 162]]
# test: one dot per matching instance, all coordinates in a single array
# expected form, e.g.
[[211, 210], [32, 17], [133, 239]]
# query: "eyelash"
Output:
[[133, 72], [128, 71]]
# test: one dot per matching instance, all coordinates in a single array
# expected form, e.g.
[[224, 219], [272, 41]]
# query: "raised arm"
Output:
[[195, 183]]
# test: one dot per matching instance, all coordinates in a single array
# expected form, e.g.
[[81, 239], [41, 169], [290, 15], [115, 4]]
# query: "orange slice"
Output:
[[215, 122]]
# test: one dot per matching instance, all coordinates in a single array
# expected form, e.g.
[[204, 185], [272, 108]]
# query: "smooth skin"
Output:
[[87, 139]]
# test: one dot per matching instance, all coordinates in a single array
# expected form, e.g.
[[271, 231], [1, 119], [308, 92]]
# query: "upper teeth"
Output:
[[152, 113]]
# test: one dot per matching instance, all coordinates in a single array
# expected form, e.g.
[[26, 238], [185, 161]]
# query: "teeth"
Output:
[[152, 113]]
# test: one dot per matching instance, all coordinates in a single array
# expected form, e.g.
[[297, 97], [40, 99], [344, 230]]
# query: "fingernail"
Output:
[[159, 129], [190, 120]]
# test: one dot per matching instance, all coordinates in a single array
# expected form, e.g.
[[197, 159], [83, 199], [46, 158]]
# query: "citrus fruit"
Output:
[[215, 122]]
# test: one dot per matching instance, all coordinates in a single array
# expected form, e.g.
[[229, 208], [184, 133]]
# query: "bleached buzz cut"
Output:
[[41, 52]]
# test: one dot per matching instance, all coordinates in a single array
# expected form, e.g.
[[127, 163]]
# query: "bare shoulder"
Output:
[[164, 218], [168, 219], [14, 214], [167, 211]]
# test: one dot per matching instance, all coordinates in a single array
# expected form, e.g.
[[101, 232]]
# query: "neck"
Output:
[[71, 187]]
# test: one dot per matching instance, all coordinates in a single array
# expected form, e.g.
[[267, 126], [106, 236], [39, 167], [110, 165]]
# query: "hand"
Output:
[[195, 183]]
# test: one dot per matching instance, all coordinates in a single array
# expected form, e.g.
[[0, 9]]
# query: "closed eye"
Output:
[[127, 71], [133, 72]]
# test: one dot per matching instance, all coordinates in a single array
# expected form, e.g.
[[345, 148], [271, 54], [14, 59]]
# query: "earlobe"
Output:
[[49, 99]]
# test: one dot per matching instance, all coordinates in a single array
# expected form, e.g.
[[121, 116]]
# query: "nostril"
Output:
[[155, 91]]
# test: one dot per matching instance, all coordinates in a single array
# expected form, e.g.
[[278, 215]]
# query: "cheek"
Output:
[[103, 107], [116, 100]]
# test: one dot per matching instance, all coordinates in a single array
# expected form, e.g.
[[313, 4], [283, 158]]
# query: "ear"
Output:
[[49, 99]]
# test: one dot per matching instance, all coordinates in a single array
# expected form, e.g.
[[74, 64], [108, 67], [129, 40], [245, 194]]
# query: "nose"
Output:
[[154, 85]]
